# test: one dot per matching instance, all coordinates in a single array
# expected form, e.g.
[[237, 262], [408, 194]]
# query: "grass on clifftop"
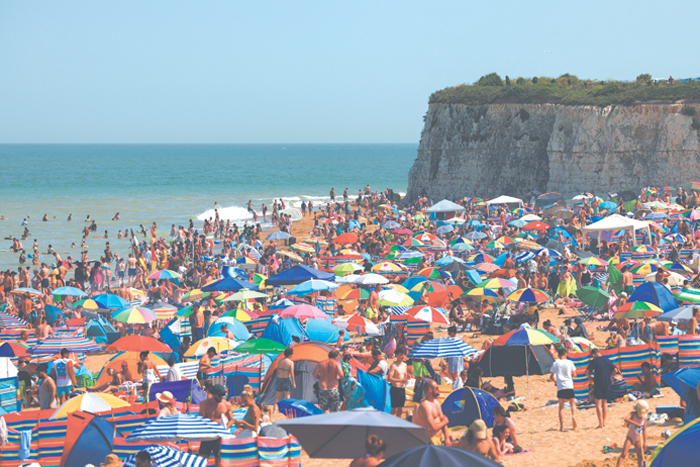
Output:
[[568, 90]]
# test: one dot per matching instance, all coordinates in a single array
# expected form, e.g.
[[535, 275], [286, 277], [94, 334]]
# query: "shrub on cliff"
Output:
[[567, 89], [492, 79]]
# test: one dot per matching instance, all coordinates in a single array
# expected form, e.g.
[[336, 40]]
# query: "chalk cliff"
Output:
[[495, 149]]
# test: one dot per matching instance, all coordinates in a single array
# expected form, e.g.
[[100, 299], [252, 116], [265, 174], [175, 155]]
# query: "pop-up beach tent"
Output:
[[505, 200], [297, 275], [445, 206]]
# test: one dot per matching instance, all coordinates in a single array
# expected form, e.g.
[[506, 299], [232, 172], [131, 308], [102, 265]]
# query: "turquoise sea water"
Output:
[[171, 184]]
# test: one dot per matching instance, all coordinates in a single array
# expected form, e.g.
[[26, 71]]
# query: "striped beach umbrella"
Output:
[[526, 336], [529, 295], [27, 290], [689, 295], [393, 297], [644, 249], [679, 268], [166, 456], [90, 304], [164, 274], [482, 258], [633, 310], [303, 247], [389, 269], [347, 268], [428, 314], [52, 345], [194, 295], [645, 269], [675, 237], [89, 402], [481, 294], [179, 427], [442, 347], [593, 261], [134, 315], [163, 310], [432, 273], [496, 283]]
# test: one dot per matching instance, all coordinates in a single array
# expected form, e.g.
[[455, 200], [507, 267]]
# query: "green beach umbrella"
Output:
[[245, 294], [592, 296], [260, 346]]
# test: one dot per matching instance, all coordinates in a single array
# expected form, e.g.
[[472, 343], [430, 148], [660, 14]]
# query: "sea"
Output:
[[171, 184]]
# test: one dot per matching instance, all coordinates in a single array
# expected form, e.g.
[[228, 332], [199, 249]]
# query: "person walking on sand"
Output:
[[601, 371], [397, 378], [329, 373], [562, 373], [637, 433], [285, 377]]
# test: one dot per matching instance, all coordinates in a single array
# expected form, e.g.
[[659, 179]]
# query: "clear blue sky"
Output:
[[301, 71]]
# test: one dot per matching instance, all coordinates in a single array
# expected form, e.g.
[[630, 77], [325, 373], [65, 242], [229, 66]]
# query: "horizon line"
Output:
[[183, 144]]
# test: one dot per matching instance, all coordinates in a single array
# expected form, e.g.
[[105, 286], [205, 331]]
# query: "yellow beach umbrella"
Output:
[[93, 402]]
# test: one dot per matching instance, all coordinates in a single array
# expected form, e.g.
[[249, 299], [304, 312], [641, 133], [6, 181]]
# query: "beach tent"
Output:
[[297, 275], [445, 206], [516, 360], [681, 448], [323, 330], [466, 404], [282, 331], [186, 390], [306, 357], [505, 200], [229, 284], [653, 292], [53, 313], [238, 329], [616, 222], [89, 439], [102, 331]]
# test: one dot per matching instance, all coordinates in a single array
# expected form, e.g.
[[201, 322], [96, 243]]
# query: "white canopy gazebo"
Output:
[[505, 200], [616, 222], [445, 206]]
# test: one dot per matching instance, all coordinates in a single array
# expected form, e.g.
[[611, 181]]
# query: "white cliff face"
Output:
[[497, 149]]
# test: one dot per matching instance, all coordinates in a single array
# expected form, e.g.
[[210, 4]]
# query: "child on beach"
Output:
[[501, 433], [637, 434]]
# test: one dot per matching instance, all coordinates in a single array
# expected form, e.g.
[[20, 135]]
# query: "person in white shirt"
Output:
[[174, 373], [563, 371]]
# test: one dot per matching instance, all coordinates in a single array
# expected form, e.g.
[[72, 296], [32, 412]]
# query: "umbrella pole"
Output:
[[527, 371]]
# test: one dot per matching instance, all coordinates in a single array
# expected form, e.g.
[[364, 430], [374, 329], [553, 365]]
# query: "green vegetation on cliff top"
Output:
[[568, 90]]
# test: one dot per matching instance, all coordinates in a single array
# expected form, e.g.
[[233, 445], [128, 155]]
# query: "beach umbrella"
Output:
[[681, 448], [261, 346], [89, 304], [220, 344], [679, 268], [303, 247], [228, 284], [443, 229], [428, 314], [371, 279], [11, 349], [454, 266], [402, 232], [389, 225], [536, 225], [655, 293], [496, 283], [137, 343], [179, 427], [674, 279], [134, 315], [347, 237], [27, 290], [110, 300], [388, 269], [302, 311], [164, 274], [347, 268], [482, 258], [442, 347], [241, 314], [194, 295], [92, 402], [583, 344], [475, 235], [593, 261], [281, 304], [645, 269], [393, 297], [688, 295], [359, 323], [296, 408], [496, 272], [185, 312], [52, 345], [70, 291], [526, 336], [279, 235], [430, 286], [529, 295], [680, 315], [360, 294], [633, 310], [432, 273], [163, 310], [593, 296], [442, 456], [311, 286], [482, 294], [245, 294], [342, 435], [166, 456]]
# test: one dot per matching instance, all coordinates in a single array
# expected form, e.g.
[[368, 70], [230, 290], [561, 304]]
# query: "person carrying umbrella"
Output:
[[213, 409], [429, 414]]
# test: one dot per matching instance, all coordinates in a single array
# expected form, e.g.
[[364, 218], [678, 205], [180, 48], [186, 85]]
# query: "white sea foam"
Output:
[[230, 213]]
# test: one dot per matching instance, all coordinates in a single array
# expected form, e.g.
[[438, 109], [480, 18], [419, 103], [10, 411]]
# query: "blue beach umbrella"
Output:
[[281, 304], [240, 332], [311, 286], [475, 235], [296, 408], [72, 291], [179, 427], [110, 300], [228, 284], [443, 456]]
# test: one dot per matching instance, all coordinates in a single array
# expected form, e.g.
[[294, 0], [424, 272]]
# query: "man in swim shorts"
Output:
[[285, 376], [329, 373]]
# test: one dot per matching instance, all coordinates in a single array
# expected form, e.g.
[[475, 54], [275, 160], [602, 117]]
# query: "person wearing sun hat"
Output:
[[476, 439], [637, 433], [167, 400], [111, 460]]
